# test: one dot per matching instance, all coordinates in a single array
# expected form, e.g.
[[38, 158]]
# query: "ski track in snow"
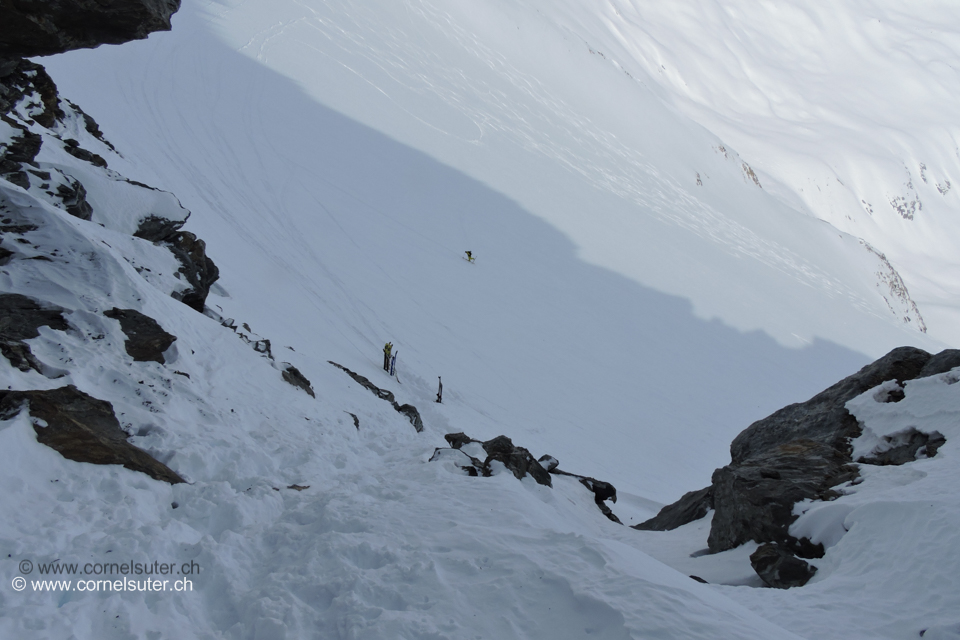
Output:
[[594, 154]]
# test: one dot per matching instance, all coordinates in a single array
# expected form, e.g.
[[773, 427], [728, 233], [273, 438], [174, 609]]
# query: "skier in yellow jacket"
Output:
[[387, 348]]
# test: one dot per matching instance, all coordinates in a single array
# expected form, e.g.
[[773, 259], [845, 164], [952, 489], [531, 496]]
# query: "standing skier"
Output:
[[387, 348], [439, 391], [469, 256]]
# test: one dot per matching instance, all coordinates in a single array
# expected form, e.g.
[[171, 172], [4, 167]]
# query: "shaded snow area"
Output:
[[648, 281], [846, 111]]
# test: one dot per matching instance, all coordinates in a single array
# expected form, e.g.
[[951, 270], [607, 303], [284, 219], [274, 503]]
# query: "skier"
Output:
[[387, 348], [469, 256], [439, 391]]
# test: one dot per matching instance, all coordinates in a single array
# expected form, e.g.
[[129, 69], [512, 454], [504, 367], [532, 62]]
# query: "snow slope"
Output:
[[604, 273], [637, 300], [847, 111]]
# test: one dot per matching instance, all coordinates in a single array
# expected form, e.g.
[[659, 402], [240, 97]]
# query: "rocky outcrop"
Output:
[[292, 375], [823, 418], [20, 319], [754, 500], [30, 105], [195, 267], [779, 568], [474, 457], [146, 339], [801, 452], [516, 459], [82, 428], [30, 28], [408, 410]]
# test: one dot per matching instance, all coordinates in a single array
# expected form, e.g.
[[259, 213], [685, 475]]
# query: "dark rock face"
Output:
[[33, 28], [195, 266], [82, 428], [20, 319], [410, 411], [941, 363], [904, 447], [292, 375], [800, 452], [692, 506], [823, 418], [754, 500], [779, 569], [146, 339]]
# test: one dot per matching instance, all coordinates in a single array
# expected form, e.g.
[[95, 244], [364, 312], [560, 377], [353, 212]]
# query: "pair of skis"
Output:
[[393, 367]]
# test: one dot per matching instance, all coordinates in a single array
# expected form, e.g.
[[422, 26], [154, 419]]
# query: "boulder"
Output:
[[82, 428], [457, 440], [548, 462], [754, 500], [146, 339]]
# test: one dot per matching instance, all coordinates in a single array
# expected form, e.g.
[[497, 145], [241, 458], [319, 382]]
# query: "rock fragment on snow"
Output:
[[548, 462]]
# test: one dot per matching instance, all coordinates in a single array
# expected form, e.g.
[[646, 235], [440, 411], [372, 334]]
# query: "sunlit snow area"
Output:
[[684, 216]]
